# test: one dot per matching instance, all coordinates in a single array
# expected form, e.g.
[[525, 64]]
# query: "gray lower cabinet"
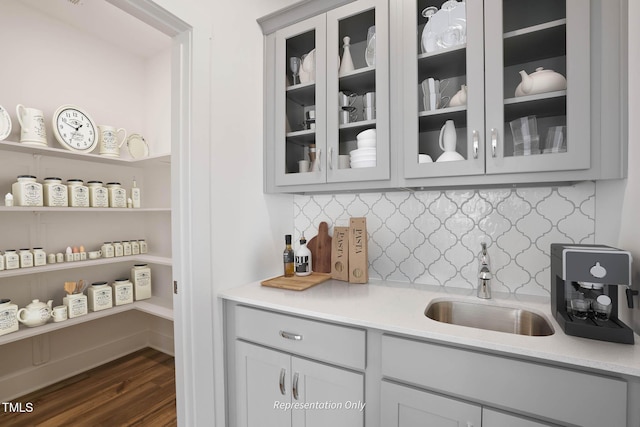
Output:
[[404, 406], [291, 371], [277, 389]]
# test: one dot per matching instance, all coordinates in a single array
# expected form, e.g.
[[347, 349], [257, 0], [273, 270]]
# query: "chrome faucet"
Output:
[[484, 274]]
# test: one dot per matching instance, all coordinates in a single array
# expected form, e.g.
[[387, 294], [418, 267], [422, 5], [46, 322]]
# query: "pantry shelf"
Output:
[[147, 259], [146, 306], [50, 209]]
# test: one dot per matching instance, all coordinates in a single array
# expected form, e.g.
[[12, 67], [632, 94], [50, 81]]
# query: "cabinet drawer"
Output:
[[538, 390], [339, 345]]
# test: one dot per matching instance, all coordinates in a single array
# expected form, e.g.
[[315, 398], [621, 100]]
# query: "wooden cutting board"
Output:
[[296, 283], [320, 247]]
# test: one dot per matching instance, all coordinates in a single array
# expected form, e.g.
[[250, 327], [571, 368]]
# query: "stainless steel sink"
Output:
[[491, 317]]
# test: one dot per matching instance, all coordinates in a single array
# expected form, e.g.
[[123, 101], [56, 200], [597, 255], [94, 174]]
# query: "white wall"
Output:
[[630, 212]]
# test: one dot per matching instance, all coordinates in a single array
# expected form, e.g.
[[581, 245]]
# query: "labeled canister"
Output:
[[8, 317], [141, 279], [100, 296], [98, 195], [122, 291], [55, 192], [26, 191], [78, 193], [117, 195]]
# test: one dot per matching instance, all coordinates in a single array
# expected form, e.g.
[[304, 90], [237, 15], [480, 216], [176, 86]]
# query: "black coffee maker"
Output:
[[580, 275]]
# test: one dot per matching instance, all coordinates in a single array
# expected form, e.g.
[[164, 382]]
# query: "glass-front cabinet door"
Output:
[[537, 85], [358, 92], [443, 88], [300, 103]]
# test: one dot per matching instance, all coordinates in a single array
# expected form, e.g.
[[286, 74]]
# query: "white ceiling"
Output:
[[107, 22]]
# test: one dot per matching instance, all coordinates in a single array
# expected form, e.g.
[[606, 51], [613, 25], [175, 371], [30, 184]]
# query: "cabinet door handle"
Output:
[[331, 158], [318, 162], [476, 144], [290, 336], [282, 389], [294, 388], [494, 141]]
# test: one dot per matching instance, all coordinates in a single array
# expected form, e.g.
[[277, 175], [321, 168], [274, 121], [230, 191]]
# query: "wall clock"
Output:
[[5, 123], [74, 129]]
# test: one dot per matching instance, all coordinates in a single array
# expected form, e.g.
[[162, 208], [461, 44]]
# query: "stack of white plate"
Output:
[[365, 155]]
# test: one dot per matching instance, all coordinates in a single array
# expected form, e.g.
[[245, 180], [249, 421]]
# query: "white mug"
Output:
[[303, 166], [32, 126], [95, 254], [59, 313], [108, 140]]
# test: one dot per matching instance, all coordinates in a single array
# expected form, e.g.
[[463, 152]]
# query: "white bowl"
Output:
[[369, 133], [360, 158], [362, 163], [366, 143], [364, 150]]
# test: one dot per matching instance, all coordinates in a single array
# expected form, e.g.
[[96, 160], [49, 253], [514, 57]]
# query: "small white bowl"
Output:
[[363, 164], [369, 133], [366, 143], [361, 158], [364, 150]]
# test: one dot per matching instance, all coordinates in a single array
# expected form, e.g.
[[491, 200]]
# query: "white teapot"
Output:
[[35, 314], [540, 81]]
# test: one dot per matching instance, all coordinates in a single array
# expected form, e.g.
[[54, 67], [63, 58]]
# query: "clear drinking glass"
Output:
[[525, 136]]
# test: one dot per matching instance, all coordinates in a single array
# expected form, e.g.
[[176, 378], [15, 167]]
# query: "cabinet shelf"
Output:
[[49, 209], [151, 306], [434, 119], [443, 63], [95, 158], [303, 93], [360, 81], [537, 42], [307, 136], [148, 259], [542, 104]]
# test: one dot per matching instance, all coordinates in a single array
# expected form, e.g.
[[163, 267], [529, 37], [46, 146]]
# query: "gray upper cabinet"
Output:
[[514, 91], [311, 89]]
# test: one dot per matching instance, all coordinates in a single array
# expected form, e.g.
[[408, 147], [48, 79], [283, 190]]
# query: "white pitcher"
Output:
[[448, 136], [108, 140], [32, 125]]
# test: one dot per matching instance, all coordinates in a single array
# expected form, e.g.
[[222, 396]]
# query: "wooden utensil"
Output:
[[69, 287], [320, 247]]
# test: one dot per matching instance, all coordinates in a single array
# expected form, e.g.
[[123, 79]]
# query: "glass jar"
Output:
[[78, 193], [26, 258], [99, 296], [122, 292], [98, 195], [26, 191], [141, 279], [39, 257], [117, 195], [55, 192], [143, 246]]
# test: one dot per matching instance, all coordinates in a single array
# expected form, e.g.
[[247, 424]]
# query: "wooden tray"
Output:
[[297, 283]]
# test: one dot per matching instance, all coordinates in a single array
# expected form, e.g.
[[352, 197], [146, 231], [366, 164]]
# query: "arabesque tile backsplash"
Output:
[[433, 237]]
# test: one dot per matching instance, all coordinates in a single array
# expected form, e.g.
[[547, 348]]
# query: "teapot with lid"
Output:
[[540, 81], [35, 314]]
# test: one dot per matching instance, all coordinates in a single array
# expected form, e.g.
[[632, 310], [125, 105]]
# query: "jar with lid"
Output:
[[98, 195], [144, 248], [141, 279], [118, 250], [107, 250], [76, 305], [78, 193], [26, 191], [55, 192], [135, 247], [117, 195], [122, 292], [99, 296], [39, 257], [8, 317], [26, 258], [11, 259], [126, 247]]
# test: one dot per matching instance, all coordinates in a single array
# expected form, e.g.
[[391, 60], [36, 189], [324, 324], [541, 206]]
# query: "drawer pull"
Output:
[[295, 386], [282, 372], [290, 336]]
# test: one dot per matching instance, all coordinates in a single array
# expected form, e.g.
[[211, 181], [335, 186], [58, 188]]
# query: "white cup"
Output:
[[95, 254], [32, 126], [343, 161], [108, 140], [303, 166], [59, 313]]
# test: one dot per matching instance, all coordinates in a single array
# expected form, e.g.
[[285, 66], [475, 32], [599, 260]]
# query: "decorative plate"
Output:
[[137, 146], [5, 123]]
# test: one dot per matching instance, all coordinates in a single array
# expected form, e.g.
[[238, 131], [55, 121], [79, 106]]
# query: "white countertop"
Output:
[[399, 307]]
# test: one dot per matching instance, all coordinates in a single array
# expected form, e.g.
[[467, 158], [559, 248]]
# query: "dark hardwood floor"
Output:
[[135, 390]]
